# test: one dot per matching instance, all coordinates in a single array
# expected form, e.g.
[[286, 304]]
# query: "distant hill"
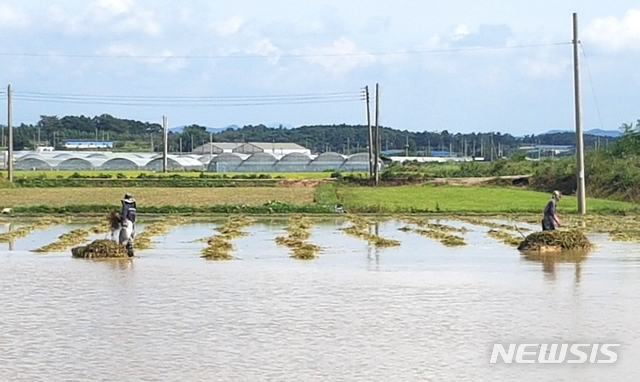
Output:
[[215, 130], [596, 132], [277, 125]]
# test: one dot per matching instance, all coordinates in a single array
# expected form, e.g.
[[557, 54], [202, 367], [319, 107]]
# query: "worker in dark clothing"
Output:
[[128, 213], [550, 220]]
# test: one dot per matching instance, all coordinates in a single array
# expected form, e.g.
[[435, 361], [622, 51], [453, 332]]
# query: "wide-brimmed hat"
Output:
[[557, 194], [128, 198]]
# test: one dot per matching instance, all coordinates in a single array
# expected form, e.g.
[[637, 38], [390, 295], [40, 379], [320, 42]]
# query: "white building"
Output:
[[216, 148], [275, 148], [83, 145]]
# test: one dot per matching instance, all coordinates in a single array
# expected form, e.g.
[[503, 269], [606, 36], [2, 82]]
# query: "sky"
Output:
[[461, 66]]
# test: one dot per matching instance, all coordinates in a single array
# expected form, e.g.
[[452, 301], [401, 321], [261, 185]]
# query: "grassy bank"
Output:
[[153, 197], [460, 199]]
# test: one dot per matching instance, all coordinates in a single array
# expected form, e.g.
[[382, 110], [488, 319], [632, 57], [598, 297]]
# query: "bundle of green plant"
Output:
[[114, 220], [505, 237], [100, 249], [443, 237], [555, 241]]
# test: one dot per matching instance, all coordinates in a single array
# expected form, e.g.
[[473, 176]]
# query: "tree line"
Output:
[[132, 135]]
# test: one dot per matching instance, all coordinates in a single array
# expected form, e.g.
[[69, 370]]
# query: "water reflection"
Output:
[[420, 311], [550, 259]]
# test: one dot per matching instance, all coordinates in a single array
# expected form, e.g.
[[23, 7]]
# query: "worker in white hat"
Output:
[[550, 220]]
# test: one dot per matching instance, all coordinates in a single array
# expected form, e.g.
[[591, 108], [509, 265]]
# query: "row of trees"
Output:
[[136, 135]]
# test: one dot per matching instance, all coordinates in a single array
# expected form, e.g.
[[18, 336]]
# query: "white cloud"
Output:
[[545, 68], [613, 34], [12, 17], [340, 57], [166, 61], [228, 27], [115, 16], [266, 48], [460, 31]]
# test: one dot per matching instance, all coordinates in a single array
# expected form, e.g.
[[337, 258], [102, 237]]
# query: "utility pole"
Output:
[[10, 128], [582, 202], [191, 147], [151, 137], [210, 145], [377, 141], [180, 146], [366, 91], [491, 147], [165, 143], [348, 145], [406, 147]]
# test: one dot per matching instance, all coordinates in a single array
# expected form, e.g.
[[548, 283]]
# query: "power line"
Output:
[[593, 90], [290, 55], [137, 98], [196, 104]]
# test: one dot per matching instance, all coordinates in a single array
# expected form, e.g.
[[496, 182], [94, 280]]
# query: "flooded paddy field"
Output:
[[400, 299]]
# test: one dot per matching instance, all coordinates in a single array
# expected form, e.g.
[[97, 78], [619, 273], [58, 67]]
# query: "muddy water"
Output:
[[420, 311]]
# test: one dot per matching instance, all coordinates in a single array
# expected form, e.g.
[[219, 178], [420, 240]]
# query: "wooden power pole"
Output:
[[370, 134], [10, 128], [582, 202], [377, 137], [165, 143]]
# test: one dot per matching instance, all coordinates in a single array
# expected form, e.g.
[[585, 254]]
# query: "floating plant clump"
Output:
[[219, 246], [360, 228], [443, 237], [505, 237], [298, 231], [27, 229]]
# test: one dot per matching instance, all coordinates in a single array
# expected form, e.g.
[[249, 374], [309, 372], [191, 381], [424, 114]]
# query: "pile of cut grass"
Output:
[[100, 249], [219, 246], [298, 231], [551, 241], [360, 228]]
